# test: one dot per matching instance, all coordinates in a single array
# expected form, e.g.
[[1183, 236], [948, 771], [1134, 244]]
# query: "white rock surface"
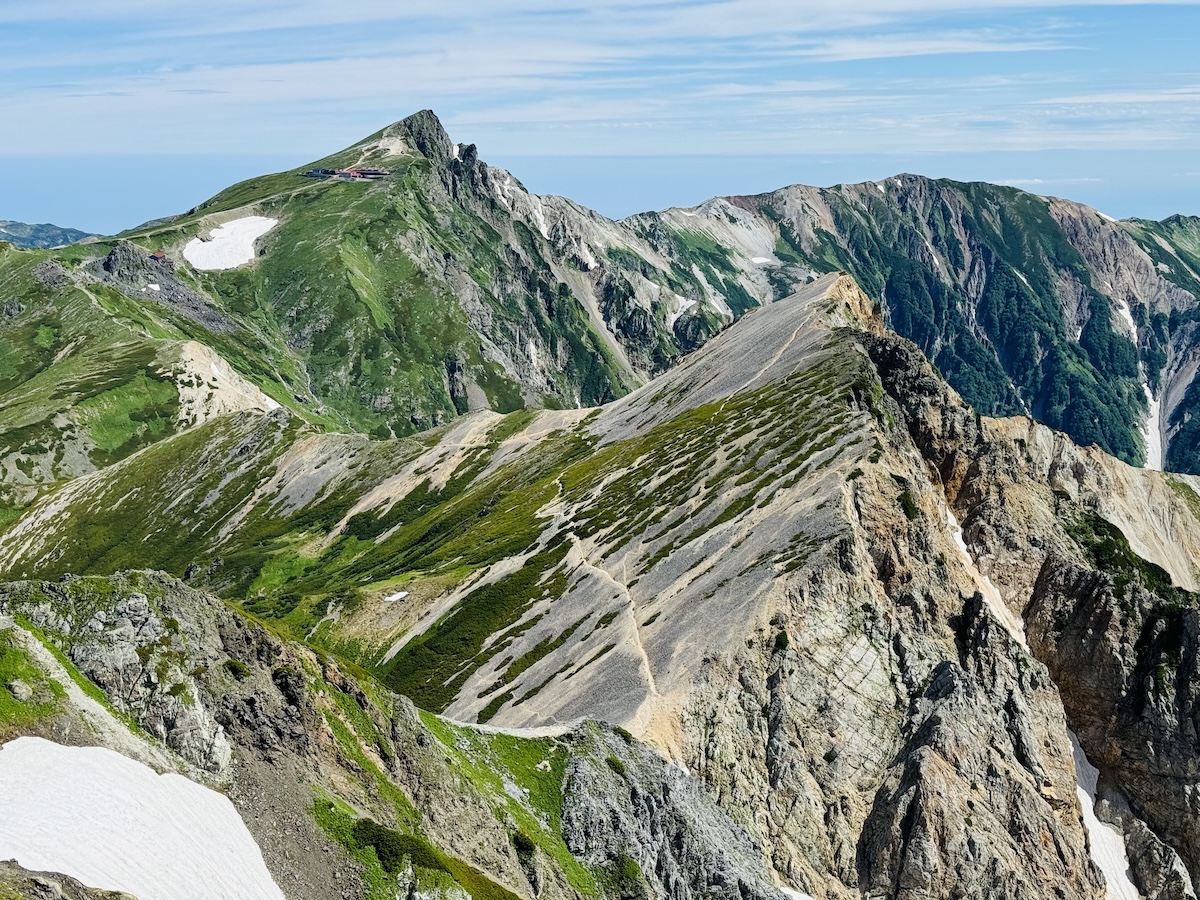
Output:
[[209, 387], [231, 245], [116, 824]]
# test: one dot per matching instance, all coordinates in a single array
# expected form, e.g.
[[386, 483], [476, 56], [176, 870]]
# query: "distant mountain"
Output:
[[40, 236], [1027, 305]]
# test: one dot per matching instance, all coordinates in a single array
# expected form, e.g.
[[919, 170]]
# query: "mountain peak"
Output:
[[422, 134]]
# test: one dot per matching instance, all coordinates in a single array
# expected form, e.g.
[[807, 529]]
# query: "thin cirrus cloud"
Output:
[[611, 77], [900, 45], [1097, 92]]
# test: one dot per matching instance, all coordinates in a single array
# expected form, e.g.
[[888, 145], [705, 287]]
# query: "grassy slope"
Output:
[[78, 369], [165, 509], [353, 300]]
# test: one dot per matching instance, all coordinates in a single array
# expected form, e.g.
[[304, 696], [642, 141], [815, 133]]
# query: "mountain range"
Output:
[[40, 236], [814, 541]]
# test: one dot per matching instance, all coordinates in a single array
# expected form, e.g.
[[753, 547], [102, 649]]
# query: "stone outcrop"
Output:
[[136, 273], [1135, 703], [624, 803], [20, 884]]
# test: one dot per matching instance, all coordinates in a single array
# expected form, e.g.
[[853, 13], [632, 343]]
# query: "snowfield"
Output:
[[1151, 434], [231, 244], [1107, 843], [116, 824]]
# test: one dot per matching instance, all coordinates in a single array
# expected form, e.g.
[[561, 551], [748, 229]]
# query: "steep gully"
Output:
[[1106, 844]]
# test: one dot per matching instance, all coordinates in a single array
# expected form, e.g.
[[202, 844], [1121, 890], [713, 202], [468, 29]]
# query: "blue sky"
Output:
[[144, 109]]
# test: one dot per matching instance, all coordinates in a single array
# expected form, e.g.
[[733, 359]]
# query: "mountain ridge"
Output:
[[44, 236], [696, 562]]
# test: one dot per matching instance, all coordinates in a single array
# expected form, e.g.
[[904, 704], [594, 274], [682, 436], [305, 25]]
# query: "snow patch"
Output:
[[1151, 431], [1126, 315], [540, 220], [882, 189], [794, 894], [502, 188], [991, 594], [1106, 843], [115, 824], [231, 245], [392, 598], [684, 305], [153, 287], [759, 260]]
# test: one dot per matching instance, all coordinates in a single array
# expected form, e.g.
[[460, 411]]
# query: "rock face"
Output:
[[1135, 704], [1104, 611], [137, 273], [1013, 786], [623, 804]]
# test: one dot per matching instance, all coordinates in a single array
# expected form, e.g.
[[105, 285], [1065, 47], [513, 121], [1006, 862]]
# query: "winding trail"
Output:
[[631, 608]]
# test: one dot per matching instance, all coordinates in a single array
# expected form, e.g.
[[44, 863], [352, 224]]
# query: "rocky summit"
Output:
[[827, 543]]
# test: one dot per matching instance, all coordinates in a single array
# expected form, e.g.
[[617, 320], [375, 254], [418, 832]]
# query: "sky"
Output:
[[126, 110]]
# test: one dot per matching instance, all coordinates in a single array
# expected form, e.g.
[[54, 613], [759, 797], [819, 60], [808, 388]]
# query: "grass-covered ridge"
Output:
[[270, 512]]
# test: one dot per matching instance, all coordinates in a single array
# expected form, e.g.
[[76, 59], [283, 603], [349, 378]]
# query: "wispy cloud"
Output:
[[1183, 94], [611, 76], [890, 46]]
